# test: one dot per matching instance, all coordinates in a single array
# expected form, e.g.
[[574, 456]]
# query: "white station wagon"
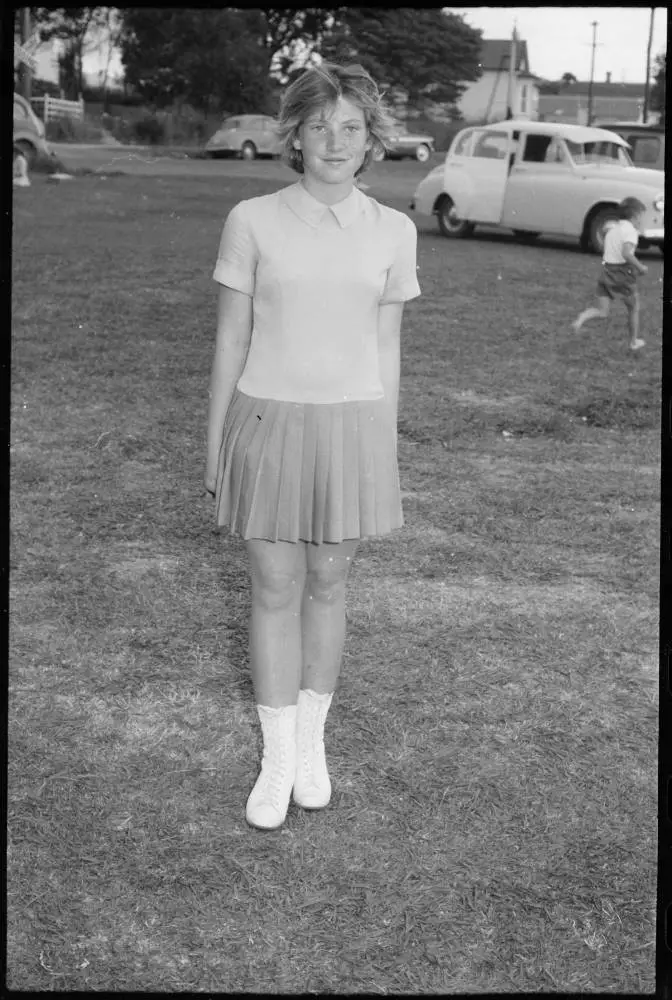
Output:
[[540, 177]]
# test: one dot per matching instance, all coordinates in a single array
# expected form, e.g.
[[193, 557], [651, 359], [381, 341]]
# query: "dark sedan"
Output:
[[403, 144]]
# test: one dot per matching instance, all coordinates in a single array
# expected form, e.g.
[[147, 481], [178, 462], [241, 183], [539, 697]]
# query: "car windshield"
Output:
[[602, 151]]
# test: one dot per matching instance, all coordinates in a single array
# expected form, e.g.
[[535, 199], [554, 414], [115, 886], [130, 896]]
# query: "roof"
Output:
[[496, 54], [576, 133], [631, 126], [581, 87], [603, 107]]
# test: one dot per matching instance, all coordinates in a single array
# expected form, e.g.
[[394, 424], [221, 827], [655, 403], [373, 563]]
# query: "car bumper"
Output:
[[653, 235], [220, 146]]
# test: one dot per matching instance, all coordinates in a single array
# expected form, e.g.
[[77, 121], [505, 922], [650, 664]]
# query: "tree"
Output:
[[292, 36], [658, 89], [426, 53], [76, 27], [567, 79], [214, 59]]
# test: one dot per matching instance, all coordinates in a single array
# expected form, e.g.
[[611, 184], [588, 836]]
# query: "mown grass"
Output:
[[492, 745]]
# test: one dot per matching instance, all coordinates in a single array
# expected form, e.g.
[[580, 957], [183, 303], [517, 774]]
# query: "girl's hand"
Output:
[[643, 269], [210, 484]]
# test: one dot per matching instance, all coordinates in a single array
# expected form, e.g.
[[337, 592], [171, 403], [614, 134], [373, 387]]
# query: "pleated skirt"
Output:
[[311, 472]]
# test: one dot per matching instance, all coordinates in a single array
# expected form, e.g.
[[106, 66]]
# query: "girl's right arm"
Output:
[[628, 252], [234, 330]]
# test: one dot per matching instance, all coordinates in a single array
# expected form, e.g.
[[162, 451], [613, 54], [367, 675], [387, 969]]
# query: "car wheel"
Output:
[[422, 153], [27, 150], [449, 222], [248, 151], [594, 242], [523, 236]]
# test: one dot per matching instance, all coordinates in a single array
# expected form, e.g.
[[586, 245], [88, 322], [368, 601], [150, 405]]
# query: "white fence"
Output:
[[57, 107]]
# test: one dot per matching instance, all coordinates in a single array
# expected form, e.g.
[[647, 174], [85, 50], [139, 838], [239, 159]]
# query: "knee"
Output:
[[276, 590], [327, 583]]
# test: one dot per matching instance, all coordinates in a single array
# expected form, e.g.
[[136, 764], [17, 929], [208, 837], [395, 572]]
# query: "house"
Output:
[[611, 102], [486, 99]]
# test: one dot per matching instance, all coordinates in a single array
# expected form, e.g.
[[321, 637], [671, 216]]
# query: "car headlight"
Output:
[[659, 202]]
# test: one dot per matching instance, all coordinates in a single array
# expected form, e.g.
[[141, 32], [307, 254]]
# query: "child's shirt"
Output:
[[317, 276], [615, 238]]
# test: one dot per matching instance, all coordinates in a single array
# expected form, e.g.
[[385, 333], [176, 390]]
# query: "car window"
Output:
[[555, 153], [601, 151], [492, 145], [537, 147], [645, 148], [231, 123], [463, 143]]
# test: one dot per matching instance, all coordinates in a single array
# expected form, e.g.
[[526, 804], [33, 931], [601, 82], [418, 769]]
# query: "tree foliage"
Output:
[[232, 58], [658, 89], [214, 59], [79, 29], [427, 53], [292, 35]]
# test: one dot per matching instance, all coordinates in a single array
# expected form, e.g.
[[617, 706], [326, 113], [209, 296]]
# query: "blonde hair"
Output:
[[323, 85]]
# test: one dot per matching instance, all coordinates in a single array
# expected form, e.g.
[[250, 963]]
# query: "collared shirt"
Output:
[[616, 236], [317, 275]]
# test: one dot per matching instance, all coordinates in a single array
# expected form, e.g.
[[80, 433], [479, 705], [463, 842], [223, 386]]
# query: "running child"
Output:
[[619, 270]]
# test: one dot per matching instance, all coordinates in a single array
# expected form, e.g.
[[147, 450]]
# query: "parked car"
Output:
[[29, 134], [403, 143], [647, 142], [540, 177], [247, 136]]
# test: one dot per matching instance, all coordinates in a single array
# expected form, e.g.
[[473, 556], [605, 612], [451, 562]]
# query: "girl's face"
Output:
[[334, 141]]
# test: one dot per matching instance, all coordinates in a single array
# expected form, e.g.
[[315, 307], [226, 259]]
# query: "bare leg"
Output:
[[278, 571], [323, 614], [601, 311], [632, 305]]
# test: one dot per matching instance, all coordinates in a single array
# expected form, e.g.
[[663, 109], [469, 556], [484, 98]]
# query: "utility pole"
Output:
[[25, 72], [645, 110], [592, 74]]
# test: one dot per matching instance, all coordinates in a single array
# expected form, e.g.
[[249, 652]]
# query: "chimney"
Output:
[[608, 80]]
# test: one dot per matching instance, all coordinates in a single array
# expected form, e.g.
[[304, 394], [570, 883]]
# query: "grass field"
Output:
[[493, 741]]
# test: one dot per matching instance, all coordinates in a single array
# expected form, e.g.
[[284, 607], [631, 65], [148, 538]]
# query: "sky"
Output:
[[559, 39]]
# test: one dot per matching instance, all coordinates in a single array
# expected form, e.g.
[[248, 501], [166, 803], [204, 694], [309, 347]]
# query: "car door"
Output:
[[646, 150], [487, 168], [540, 182]]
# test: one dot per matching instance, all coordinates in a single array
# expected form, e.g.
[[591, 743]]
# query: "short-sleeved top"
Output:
[[616, 236], [317, 275]]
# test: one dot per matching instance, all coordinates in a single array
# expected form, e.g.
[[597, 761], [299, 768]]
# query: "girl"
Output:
[[619, 270], [302, 422]]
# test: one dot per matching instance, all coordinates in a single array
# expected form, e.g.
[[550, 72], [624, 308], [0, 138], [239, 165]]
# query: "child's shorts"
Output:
[[617, 280]]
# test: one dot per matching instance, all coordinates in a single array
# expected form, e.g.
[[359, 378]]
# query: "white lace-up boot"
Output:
[[268, 801], [312, 787]]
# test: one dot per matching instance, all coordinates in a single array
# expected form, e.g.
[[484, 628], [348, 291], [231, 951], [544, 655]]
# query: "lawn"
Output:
[[493, 741]]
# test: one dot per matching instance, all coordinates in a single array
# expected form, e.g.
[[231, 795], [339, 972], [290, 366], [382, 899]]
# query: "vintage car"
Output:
[[29, 133], [646, 142], [540, 177], [247, 136], [403, 143]]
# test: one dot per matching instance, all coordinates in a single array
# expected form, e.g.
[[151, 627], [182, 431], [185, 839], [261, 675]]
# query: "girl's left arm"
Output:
[[389, 355]]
